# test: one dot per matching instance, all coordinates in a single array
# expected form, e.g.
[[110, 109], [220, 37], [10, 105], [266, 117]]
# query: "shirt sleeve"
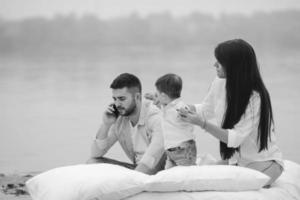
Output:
[[206, 109], [247, 124], [155, 149], [100, 147]]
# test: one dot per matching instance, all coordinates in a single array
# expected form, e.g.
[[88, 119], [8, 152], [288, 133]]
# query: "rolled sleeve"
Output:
[[247, 125], [100, 147], [234, 138], [155, 149], [206, 109]]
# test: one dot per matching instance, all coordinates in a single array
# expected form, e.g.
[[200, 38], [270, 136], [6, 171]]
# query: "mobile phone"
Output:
[[115, 111]]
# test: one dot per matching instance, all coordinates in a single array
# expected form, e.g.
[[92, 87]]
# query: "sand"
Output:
[[12, 186]]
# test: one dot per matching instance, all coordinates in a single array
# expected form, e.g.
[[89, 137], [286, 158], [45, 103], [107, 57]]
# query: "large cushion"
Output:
[[86, 182], [208, 177]]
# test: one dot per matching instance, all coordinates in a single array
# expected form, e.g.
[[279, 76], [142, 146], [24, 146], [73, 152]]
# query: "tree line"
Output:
[[88, 34]]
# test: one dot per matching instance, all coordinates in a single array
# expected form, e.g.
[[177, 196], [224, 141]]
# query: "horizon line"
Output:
[[144, 16]]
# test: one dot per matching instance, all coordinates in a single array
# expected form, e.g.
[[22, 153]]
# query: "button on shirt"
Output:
[[142, 143], [244, 133], [175, 131], [139, 143]]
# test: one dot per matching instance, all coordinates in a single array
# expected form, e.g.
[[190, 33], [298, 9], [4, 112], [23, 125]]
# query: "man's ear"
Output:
[[138, 96]]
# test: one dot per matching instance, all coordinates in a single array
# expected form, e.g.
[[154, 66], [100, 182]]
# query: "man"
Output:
[[136, 124]]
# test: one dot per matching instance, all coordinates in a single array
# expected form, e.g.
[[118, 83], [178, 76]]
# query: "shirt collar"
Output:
[[172, 103], [145, 104], [143, 113]]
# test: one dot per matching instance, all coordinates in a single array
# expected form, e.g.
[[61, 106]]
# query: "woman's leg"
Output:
[[270, 168]]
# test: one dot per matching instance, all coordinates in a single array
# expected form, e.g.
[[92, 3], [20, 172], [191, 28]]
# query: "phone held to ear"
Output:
[[115, 111]]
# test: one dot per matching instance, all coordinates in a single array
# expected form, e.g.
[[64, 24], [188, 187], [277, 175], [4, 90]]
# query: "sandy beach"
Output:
[[59, 58], [13, 197], [12, 186]]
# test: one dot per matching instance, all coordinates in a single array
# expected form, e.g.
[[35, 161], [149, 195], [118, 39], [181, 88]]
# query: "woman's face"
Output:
[[220, 70]]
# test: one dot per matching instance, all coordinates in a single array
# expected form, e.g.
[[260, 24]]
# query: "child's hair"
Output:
[[170, 84]]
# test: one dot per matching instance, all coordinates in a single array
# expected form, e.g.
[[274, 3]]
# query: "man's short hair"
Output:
[[170, 84], [126, 80]]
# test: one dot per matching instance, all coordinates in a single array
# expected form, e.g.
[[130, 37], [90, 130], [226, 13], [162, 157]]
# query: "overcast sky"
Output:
[[16, 9]]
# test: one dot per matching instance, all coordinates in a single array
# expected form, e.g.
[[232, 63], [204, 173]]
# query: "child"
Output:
[[179, 140]]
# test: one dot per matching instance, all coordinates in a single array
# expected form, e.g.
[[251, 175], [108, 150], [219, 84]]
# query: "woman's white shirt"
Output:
[[244, 133]]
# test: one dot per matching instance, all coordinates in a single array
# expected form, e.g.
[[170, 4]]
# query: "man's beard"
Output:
[[130, 110]]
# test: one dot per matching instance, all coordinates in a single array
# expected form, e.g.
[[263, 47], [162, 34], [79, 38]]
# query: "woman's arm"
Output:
[[232, 137], [206, 108], [193, 118], [219, 133]]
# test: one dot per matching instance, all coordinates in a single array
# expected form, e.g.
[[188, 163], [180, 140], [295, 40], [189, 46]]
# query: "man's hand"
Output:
[[109, 118], [144, 169]]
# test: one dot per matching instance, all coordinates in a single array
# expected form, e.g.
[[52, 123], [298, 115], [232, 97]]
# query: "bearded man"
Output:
[[135, 123]]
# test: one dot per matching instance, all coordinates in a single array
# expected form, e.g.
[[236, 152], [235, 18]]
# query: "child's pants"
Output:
[[184, 155]]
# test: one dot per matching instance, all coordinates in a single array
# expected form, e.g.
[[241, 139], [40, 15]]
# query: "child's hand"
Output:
[[153, 97], [150, 96]]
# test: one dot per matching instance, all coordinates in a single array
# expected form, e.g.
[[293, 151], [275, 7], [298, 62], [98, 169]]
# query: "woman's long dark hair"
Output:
[[242, 78]]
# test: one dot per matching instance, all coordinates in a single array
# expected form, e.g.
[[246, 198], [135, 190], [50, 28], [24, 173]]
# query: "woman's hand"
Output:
[[190, 116], [192, 107]]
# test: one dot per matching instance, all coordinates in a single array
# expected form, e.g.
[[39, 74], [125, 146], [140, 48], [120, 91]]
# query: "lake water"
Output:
[[50, 109]]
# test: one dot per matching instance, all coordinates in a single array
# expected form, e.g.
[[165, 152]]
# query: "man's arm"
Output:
[[144, 169], [155, 150], [104, 140], [106, 136]]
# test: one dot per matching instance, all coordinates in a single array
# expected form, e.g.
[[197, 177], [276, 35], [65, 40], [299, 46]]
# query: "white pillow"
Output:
[[86, 182], [206, 177], [291, 174]]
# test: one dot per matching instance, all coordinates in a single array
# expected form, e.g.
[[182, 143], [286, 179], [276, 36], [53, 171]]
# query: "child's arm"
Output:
[[152, 97]]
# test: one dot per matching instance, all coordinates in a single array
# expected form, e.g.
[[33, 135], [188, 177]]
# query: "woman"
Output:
[[240, 103]]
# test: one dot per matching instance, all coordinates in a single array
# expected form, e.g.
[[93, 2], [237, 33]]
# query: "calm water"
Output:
[[50, 110]]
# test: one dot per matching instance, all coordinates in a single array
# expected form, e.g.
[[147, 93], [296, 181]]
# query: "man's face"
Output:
[[124, 100]]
